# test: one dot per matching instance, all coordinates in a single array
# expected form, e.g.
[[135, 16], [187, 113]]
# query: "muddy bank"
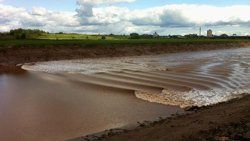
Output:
[[224, 121], [16, 55], [9, 68], [11, 56]]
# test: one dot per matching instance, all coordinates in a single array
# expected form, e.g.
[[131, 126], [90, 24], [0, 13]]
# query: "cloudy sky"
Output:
[[126, 16]]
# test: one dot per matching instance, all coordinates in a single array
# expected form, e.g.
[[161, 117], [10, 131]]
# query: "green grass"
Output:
[[74, 36], [73, 39], [111, 42]]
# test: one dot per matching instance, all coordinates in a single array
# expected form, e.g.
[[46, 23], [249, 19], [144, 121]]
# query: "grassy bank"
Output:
[[111, 42]]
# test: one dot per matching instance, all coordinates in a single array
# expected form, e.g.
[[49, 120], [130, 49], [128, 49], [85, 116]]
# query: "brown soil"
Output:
[[9, 68], [223, 122], [16, 55]]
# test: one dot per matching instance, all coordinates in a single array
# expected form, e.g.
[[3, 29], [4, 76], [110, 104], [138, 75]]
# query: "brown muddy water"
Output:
[[60, 100]]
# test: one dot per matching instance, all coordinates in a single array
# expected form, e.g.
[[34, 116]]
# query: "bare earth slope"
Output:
[[26, 54], [11, 56]]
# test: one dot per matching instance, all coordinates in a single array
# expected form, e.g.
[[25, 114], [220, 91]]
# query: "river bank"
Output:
[[13, 55], [224, 121]]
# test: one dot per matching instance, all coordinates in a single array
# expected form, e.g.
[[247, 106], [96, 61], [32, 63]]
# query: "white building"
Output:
[[209, 33]]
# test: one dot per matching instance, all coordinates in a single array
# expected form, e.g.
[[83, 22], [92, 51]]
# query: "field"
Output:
[[75, 36], [22, 37], [110, 41]]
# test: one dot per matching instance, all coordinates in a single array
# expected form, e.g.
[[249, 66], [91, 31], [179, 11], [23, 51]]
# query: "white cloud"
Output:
[[102, 16], [86, 6], [102, 1], [185, 15], [13, 17], [169, 16]]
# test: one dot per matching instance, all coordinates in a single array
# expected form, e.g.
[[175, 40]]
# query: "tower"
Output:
[[200, 31]]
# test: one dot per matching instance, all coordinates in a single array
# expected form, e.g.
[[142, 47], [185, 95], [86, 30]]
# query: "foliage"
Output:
[[103, 37], [191, 36], [26, 33], [75, 36], [6, 36], [134, 36]]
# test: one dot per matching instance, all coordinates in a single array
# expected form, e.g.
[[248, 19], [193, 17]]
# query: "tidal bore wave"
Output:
[[191, 98], [183, 79]]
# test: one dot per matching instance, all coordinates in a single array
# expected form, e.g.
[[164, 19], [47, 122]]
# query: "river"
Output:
[[60, 100]]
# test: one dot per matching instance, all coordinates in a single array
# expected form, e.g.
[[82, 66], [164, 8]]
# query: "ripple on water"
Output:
[[213, 76]]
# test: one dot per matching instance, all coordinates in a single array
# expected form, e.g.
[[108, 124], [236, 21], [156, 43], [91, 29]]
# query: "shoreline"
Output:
[[222, 121]]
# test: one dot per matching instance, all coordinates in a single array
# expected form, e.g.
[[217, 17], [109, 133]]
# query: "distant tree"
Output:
[[176, 36], [191, 36], [26, 33], [23, 36], [147, 36], [5, 35], [103, 37], [134, 36], [156, 35], [224, 36]]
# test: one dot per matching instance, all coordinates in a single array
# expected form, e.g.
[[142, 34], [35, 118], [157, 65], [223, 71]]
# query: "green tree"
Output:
[[103, 37], [134, 36]]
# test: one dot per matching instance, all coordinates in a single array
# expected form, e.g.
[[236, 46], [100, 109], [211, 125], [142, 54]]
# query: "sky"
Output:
[[126, 16]]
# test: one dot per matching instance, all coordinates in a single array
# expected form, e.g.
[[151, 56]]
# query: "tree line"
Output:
[[22, 34]]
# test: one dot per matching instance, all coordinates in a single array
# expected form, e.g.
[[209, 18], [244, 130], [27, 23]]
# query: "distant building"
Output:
[[209, 33]]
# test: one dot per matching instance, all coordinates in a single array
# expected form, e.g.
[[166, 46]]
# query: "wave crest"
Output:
[[191, 98]]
